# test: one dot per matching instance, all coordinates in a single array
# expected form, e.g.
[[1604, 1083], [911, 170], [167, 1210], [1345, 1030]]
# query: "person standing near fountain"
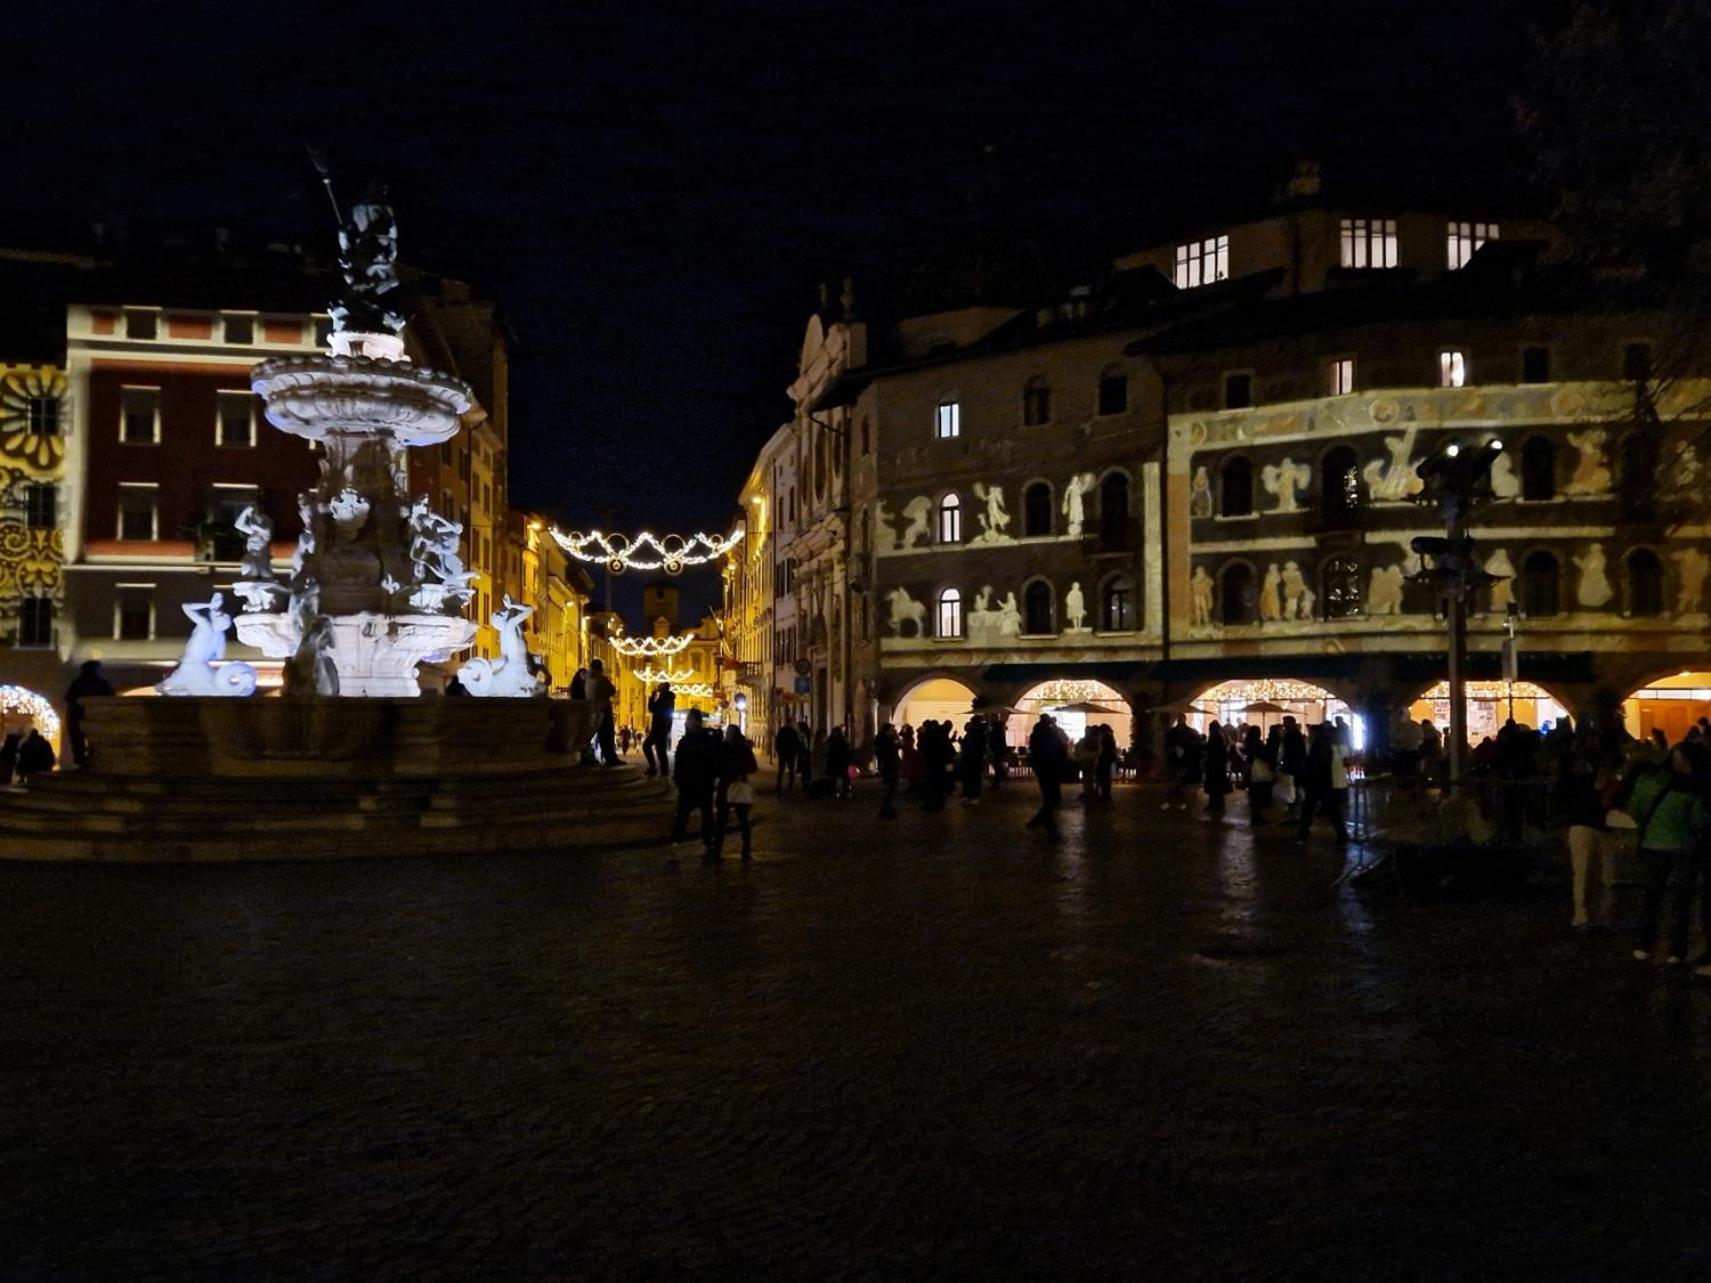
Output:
[[601, 692], [661, 705]]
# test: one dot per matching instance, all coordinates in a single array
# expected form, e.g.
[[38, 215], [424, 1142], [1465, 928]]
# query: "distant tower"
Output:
[[660, 603]]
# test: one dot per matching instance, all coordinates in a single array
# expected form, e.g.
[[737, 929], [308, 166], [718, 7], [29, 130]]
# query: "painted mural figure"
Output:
[[1504, 483], [1202, 589], [1594, 589], [995, 521], [1591, 472], [1009, 617], [1200, 494], [1691, 568], [1384, 592], [1394, 478], [1298, 598], [1075, 608], [884, 537], [196, 673], [1502, 569], [1075, 492], [1284, 480], [1270, 595], [1684, 475], [904, 609], [917, 513]]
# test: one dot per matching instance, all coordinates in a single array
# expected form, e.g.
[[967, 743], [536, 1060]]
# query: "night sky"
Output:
[[654, 192]]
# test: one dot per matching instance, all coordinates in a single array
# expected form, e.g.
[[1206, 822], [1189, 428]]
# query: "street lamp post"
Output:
[[1455, 479]]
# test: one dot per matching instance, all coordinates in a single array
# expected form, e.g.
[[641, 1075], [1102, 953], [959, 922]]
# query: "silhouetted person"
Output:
[[804, 754], [1048, 751], [662, 704], [786, 749], [838, 760], [1293, 763], [972, 764], [736, 764], [1216, 761], [602, 692], [579, 684], [35, 756], [1320, 796], [88, 682], [888, 761], [698, 759], [9, 757], [1105, 763]]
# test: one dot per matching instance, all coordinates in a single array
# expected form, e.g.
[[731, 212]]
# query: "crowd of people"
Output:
[[1304, 771]]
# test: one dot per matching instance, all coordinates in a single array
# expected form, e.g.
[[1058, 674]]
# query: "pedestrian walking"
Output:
[[1048, 751], [1216, 771], [786, 748], [601, 692], [838, 761], [1292, 767], [1319, 797], [1669, 812], [736, 765], [888, 761], [1583, 795], [1260, 758], [662, 704], [1181, 762], [1105, 765], [699, 756], [805, 756], [972, 764]]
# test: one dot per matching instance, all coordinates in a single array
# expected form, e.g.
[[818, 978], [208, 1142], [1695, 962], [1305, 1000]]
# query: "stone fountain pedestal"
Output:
[[376, 655]]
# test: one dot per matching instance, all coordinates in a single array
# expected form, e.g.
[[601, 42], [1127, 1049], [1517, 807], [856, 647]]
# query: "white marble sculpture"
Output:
[[1504, 483], [256, 584], [995, 519], [434, 555], [1285, 480], [1075, 492], [904, 609], [1200, 493], [1298, 598], [1594, 587], [1691, 567], [349, 511], [305, 550], [884, 537], [1384, 591], [311, 670], [1075, 608], [1502, 571], [509, 675], [1591, 472], [1271, 594], [1201, 586], [918, 519], [1394, 478], [197, 673]]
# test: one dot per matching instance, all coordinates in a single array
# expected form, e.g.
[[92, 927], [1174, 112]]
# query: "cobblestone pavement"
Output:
[[940, 1047]]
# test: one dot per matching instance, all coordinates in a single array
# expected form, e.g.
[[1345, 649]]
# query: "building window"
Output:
[[133, 612], [1236, 487], [866, 435], [1645, 583], [1238, 391], [1114, 512], [44, 416], [236, 420], [139, 416], [1117, 605], [1340, 376], [1036, 402], [1113, 392], [1637, 483], [1368, 242], [1236, 601], [139, 516], [1539, 585], [1464, 239], [950, 519], [141, 325], [1535, 365], [1452, 369], [947, 419], [1637, 361], [220, 538], [1538, 470], [35, 621], [1339, 485], [1340, 585], [950, 613], [240, 329], [1202, 262], [323, 331], [41, 505], [1039, 609], [1037, 512]]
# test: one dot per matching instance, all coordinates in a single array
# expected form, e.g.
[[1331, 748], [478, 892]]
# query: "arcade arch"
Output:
[[1669, 704], [1270, 700], [1063, 700], [936, 699]]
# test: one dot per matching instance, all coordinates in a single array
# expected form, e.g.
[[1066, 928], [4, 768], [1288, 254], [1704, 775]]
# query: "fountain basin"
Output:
[[316, 397], [376, 654]]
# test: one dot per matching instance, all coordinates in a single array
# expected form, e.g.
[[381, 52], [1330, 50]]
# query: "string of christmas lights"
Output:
[[694, 690], [649, 647], [652, 676], [17, 699], [646, 551]]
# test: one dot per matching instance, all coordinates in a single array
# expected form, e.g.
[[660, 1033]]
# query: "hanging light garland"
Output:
[[648, 647], [16, 699], [694, 690], [652, 676], [646, 551]]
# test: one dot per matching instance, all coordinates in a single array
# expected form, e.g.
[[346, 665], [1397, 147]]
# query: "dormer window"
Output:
[[1202, 262], [1368, 242]]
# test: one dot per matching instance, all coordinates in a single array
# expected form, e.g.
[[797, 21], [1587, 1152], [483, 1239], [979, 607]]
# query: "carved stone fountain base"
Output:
[[376, 654]]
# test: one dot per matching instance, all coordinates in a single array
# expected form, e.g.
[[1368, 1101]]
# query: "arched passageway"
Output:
[[937, 699], [21, 708], [1489, 705], [1075, 705], [1265, 701], [1670, 704]]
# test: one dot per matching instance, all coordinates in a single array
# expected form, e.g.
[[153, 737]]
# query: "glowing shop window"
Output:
[[1463, 239], [1368, 242], [1202, 262], [1452, 370]]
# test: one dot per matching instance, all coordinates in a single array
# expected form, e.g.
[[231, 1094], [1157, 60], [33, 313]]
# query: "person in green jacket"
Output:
[[1667, 802]]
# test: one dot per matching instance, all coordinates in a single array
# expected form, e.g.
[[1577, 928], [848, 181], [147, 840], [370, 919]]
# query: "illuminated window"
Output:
[[947, 419], [1340, 376], [35, 621], [138, 511], [1452, 369], [1368, 242], [950, 519], [1117, 604], [1340, 588], [1113, 392], [44, 416], [133, 612], [236, 420], [139, 416], [1036, 402], [950, 613], [41, 504], [1339, 485], [1202, 262], [1464, 239]]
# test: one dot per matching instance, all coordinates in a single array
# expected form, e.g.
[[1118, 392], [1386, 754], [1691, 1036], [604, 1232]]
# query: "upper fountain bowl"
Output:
[[360, 395]]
